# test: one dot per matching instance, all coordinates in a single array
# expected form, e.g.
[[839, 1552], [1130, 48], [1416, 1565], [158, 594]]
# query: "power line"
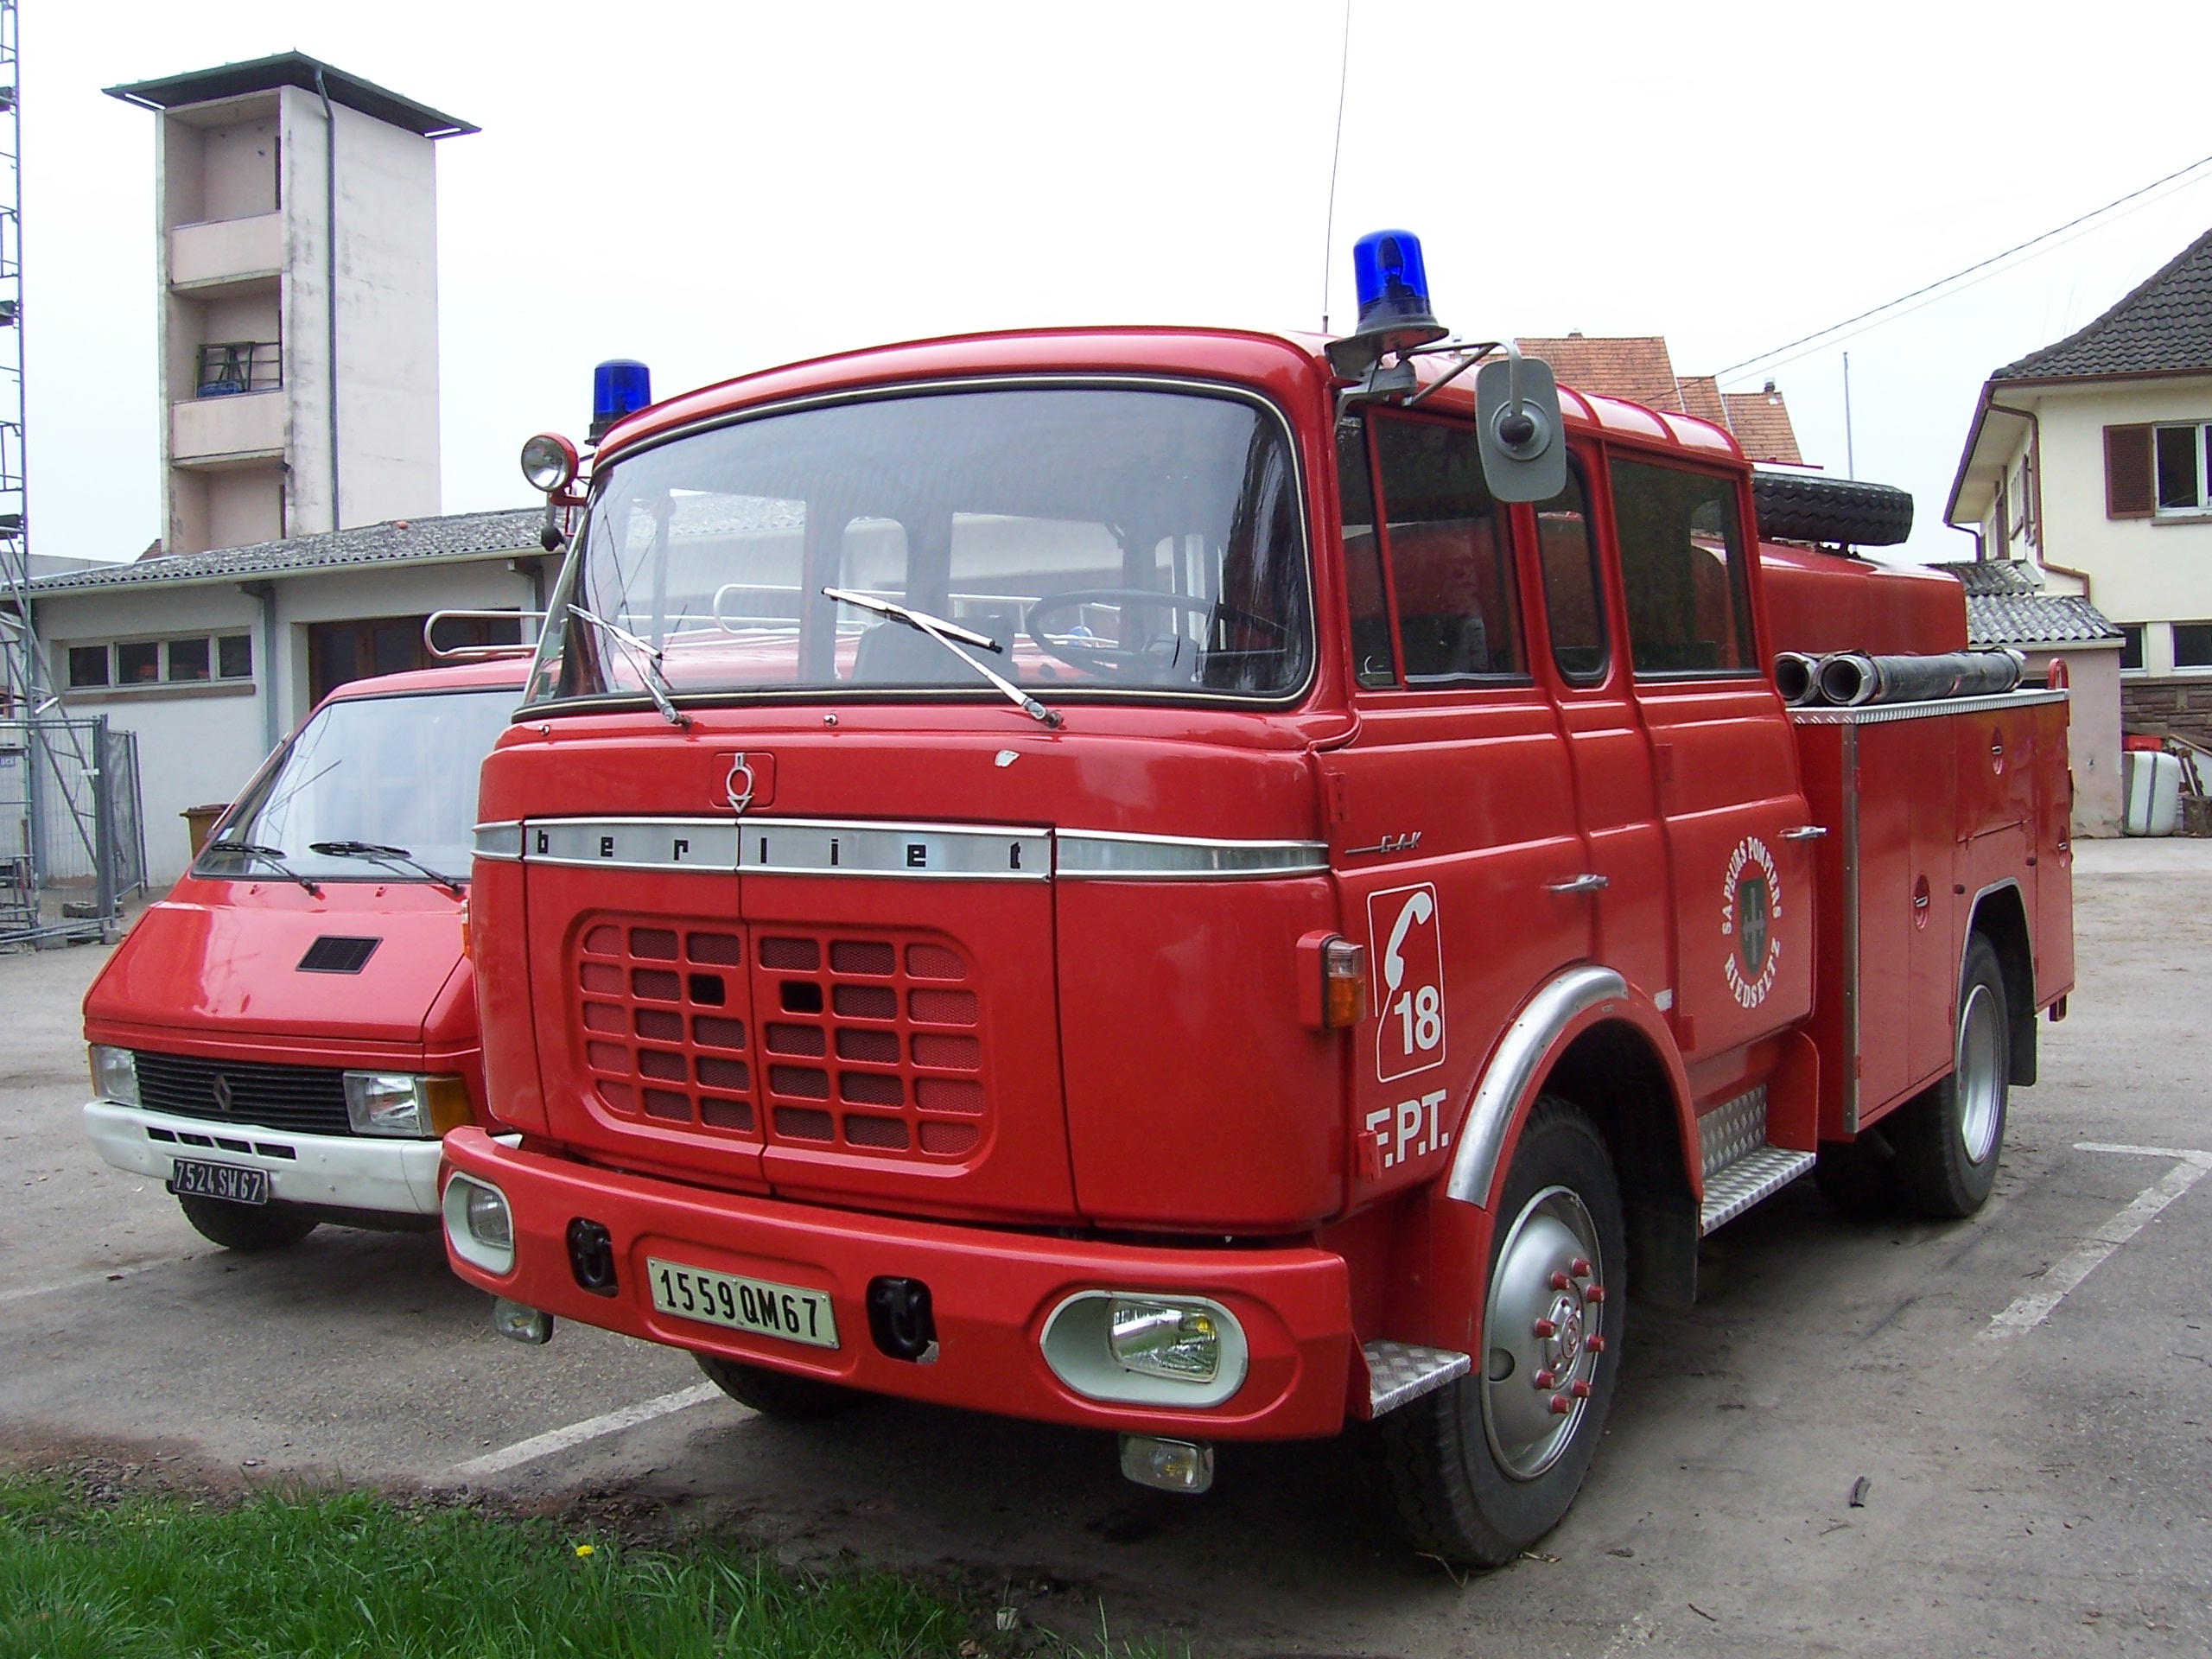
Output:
[[1979, 265]]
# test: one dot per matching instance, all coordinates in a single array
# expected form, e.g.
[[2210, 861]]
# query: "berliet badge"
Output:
[[739, 784]]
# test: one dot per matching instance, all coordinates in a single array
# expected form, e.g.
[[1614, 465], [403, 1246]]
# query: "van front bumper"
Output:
[[392, 1177], [991, 1291]]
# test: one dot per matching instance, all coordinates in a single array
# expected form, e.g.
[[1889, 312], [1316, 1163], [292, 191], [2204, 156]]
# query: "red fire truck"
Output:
[[1208, 886], [282, 1039]]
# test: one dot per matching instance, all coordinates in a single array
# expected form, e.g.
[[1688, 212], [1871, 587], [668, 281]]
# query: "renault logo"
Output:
[[222, 1093]]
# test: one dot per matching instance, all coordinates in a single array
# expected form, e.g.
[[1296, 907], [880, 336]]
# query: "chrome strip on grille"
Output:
[[499, 841], [1091, 855], [839, 846], [634, 843]]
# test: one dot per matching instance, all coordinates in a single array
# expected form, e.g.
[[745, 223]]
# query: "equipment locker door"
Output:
[[1457, 838], [1723, 755]]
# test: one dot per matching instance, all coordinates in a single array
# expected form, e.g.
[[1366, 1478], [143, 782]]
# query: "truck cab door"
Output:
[[1722, 755], [1458, 814]]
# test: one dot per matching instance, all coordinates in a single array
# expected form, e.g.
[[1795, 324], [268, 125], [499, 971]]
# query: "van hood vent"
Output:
[[335, 953]]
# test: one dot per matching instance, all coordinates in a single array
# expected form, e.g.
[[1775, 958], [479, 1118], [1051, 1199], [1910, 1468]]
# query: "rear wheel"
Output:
[[1485, 1467], [776, 1394], [245, 1226], [1948, 1139]]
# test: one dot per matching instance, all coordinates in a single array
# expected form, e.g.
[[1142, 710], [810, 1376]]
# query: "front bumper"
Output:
[[391, 1176], [991, 1291]]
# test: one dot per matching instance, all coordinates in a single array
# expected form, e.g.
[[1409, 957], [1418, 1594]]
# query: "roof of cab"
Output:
[[501, 673], [1204, 352]]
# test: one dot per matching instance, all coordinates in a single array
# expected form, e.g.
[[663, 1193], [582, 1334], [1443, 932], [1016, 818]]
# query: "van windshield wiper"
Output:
[[947, 634], [648, 658], [272, 856], [383, 854]]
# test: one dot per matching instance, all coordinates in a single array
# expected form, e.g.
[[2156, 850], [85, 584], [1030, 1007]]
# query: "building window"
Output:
[[2131, 646], [195, 658], [2193, 644], [231, 366], [341, 652], [2161, 471]]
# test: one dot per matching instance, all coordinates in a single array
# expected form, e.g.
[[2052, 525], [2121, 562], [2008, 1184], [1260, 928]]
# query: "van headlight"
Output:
[[401, 1104], [1139, 1349], [115, 1073], [479, 1226]]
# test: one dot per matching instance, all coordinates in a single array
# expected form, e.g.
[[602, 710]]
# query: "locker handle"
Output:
[[1805, 832], [1578, 884]]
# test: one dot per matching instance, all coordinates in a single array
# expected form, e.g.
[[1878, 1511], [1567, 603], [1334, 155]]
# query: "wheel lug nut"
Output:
[[1545, 1328], [1595, 1293], [1579, 1389], [1545, 1379], [1595, 1344], [1580, 1267], [1560, 1405], [1561, 1281]]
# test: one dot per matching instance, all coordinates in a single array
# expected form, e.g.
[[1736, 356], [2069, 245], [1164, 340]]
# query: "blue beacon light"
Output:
[[1393, 288], [620, 387]]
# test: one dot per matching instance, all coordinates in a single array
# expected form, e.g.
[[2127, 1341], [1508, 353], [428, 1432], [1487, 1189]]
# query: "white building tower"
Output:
[[296, 211]]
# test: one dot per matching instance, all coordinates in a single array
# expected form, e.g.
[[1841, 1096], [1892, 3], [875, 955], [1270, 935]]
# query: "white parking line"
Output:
[[87, 1281], [2030, 1310], [591, 1428]]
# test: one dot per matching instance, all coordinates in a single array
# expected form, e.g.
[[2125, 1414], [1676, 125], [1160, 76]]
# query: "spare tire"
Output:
[[1807, 507]]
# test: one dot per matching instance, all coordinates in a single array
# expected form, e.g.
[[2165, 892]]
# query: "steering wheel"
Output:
[[1132, 659]]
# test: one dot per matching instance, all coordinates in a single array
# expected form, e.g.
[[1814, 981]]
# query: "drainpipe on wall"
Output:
[[272, 729], [330, 232]]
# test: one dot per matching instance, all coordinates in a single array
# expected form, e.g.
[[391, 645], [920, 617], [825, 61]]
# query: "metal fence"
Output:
[[73, 840]]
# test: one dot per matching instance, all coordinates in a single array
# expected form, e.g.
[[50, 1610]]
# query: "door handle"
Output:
[[1804, 832], [1578, 884]]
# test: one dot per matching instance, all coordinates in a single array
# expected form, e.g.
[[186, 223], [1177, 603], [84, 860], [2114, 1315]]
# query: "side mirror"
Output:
[[1517, 424]]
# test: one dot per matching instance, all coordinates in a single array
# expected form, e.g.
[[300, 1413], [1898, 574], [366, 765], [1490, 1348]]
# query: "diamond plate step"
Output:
[[1737, 1187], [1399, 1371]]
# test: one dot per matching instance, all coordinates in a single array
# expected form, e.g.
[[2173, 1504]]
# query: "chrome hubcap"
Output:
[[1978, 1068], [1542, 1333]]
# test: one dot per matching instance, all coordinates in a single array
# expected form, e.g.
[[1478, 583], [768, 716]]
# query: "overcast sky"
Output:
[[718, 188]]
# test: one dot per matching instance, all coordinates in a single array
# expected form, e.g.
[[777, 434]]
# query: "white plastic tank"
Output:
[[2151, 784]]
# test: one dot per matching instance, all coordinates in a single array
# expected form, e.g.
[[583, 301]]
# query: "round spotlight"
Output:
[[548, 461]]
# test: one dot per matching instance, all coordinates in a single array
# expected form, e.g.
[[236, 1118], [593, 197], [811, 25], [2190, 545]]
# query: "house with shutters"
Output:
[[2088, 466]]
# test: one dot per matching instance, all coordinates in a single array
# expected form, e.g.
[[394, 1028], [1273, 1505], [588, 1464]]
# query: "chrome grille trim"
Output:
[[501, 841], [1093, 855], [915, 851], [709, 844]]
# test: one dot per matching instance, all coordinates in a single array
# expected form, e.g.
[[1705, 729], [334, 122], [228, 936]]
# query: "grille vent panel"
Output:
[[301, 1099]]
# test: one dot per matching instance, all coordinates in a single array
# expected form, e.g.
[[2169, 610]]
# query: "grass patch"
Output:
[[352, 1574]]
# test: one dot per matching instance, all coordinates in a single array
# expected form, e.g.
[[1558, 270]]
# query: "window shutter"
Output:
[[2128, 492]]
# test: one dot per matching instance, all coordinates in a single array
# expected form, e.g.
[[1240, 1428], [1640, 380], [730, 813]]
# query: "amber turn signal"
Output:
[[447, 1100], [1344, 984]]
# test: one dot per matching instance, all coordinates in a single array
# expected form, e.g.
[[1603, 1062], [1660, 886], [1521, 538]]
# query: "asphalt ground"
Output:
[[2032, 1486]]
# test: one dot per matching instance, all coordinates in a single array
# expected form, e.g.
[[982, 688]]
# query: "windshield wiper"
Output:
[[272, 856], [656, 683], [384, 854], [946, 634]]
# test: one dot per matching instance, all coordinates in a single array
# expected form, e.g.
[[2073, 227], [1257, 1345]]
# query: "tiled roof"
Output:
[[2164, 327], [1760, 421], [1634, 366], [2006, 606], [400, 540], [1699, 395]]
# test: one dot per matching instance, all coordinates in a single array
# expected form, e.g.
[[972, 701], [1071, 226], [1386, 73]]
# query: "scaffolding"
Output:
[[69, 799]]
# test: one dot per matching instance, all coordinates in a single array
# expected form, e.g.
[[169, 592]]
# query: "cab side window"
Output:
[[1682, 571], [1572, 597], [1448, 551]]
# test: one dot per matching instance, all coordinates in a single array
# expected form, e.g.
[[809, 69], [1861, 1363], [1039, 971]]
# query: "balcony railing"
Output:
[[229, 367]]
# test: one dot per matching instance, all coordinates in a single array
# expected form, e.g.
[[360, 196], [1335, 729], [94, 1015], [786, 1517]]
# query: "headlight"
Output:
[[478, 1226], [1146, 1350], [115, 1074], [401, 1104], [548, 461]]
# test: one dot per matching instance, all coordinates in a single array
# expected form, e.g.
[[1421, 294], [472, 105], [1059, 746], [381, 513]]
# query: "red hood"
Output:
[[222, 958]]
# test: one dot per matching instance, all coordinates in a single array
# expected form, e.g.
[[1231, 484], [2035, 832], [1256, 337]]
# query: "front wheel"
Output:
[[250, 1227], [1484, 1468], [1947, 1140], [776, 1394]]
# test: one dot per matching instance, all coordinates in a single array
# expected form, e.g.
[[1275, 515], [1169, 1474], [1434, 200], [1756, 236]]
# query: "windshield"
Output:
[[395, 773], [1103, 541]]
